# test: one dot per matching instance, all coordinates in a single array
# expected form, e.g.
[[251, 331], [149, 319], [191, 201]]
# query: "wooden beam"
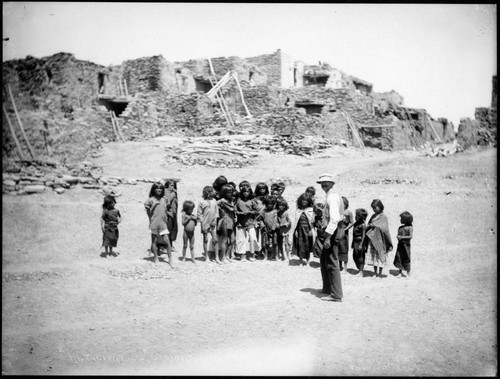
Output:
[[235, 76], [119, 132], [12, 131], [114, 127], [30, 149], [125, 86], [378, 126]]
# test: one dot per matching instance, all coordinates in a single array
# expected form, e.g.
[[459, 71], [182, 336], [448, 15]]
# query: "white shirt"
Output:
[[335, 207]]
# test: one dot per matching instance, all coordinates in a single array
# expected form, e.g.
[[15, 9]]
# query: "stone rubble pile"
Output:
[[390, 181], [39, 177], [239, 151]]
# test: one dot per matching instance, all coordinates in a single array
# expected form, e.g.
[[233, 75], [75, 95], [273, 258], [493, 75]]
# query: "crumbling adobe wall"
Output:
[[270, 65], [35, 82], [493, 114], [380, 138], [260, 99], [56, 100], [400, 134], [467, 133], [153, 114], [143, 74]]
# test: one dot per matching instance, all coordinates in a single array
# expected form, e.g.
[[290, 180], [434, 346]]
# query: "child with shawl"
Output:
[[304, 232], [378, 238]]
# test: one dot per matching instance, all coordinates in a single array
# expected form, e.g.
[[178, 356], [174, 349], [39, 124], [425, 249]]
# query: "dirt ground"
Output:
[[67, 310]]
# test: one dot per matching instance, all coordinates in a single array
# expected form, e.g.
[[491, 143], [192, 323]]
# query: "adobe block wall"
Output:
[[60, 90], [143, 74], [287, 71], [270, 65]]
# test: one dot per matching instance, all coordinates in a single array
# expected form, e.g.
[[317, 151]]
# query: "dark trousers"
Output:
[[330, 269]]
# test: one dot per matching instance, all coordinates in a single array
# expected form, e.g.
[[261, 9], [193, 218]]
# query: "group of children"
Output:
[[237, 222]]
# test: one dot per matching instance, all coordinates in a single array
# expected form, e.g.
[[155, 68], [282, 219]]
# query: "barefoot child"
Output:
[[303, 229], [359, 240], [402, 260], [320, 223], [261, 191], [270, 221], [172, 208], [110, 219], [380, 243], [246, 212], [156, 209], [189, 222], [284, 225], [345, 224], [207, 216], [225, 223]]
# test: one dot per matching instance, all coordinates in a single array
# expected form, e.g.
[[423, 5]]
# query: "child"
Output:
[[156, 209], [311, 191], [379, 238], [232, 239], [270, 221], [320, 223], [284, 225], [110, 219], [219, 182], [172, 208], [261, 190], [225, 223], [189, 222], [275, 190], [345, 224], [358, 240], [246, 213], [303, 229], [402, 260], [281, 188], [207, 216]]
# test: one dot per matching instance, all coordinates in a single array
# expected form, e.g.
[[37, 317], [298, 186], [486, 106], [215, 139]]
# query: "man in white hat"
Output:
[[329, 260]]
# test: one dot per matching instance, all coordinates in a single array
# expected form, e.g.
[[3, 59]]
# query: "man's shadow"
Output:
[[315, 292]]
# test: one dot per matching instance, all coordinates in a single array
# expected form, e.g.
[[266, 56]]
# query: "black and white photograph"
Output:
[[249, 189]]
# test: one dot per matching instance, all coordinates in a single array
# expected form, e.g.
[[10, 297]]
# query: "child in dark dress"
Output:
[[110, 219], [402, 260], [320, 223], [359, 245], [189, 221], [304, 232]]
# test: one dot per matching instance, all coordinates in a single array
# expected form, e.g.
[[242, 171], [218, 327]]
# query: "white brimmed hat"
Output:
[[325, 178]]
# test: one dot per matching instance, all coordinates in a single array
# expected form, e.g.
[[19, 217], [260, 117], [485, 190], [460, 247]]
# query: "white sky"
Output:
[[439, 57]]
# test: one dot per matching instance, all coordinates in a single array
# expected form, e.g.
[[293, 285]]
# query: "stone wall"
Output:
[[467, 133], [144, 74], [270, 65]]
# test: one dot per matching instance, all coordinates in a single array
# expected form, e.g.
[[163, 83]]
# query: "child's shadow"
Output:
[[352, 271], [315, 292], [314, 264], [105, 255], [394, 272], [294, 262], [152, 259]]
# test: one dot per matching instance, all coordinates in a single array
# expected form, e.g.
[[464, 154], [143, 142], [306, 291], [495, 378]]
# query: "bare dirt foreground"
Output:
[[67, 310]]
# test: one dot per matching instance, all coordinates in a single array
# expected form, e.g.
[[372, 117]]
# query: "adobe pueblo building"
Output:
[[68, 107]]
